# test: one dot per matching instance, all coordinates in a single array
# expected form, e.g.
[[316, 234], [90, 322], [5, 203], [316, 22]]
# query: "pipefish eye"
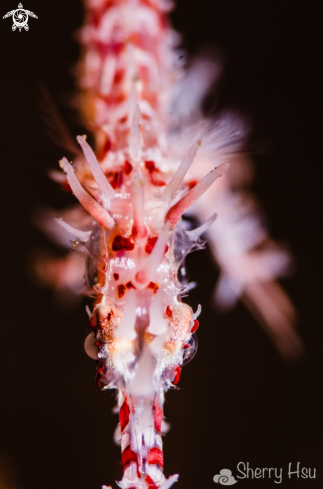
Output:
[[90, 347]]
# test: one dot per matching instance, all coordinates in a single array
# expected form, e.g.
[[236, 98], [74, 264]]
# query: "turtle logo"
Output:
[[20, 18]]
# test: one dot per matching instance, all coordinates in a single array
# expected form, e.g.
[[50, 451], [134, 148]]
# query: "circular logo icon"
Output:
[[20, 18]]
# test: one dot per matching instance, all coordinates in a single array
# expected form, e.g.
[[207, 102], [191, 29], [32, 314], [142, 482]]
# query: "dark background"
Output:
[[238, 400]]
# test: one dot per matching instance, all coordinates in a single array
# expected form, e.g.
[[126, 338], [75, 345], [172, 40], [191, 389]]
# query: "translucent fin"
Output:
[[271, 306], [227, 292], [194, 234], [81, 235], [169, 482]]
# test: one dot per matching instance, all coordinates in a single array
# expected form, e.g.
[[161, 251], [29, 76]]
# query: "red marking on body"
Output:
[[155, 456], [150, 243], [151, 167], [105, 148], [130, 285], [127, 168], [127, 457], [191, 184], [117, 180], [155, 181], [94, 18], [121, 290], [150, 483], [195, 326], [177, 375], [169, 312], [101, 369], [153, 287], [116, 276], [115, 47], [92, 322], [98, 381], [117, 79], [139, 232], [120, 98], [185, 346], [158, 418], [122, 244], [66, 187], [97, 343], [124, 415]]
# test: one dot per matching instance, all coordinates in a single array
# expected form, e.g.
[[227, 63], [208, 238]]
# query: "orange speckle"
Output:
[[153, 287], [130, 285], [169, 312], [150, 243], [122, 244], [121, 290]]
